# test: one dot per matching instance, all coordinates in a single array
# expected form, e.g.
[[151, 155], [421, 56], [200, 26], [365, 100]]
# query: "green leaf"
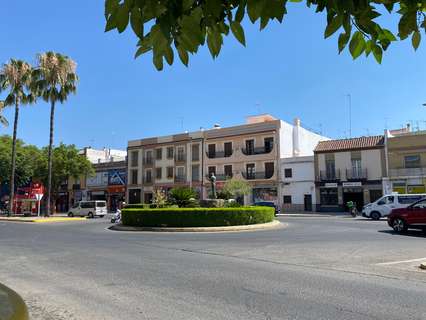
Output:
[[122, 18], [141, 50], [110, 25], [183, 55], [357, 45], [214, 42], [158, 61], [415, 39], [333, 26], [136, 22], [239, 15], [343, 40], [378, 53], [110, 6], [238, 32], [254, 9], [168, 54]]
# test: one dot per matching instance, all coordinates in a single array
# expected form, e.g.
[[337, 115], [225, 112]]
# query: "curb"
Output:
[[251, 227], [46, 220], [12, 306]]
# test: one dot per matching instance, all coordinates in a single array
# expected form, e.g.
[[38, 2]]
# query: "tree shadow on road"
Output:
[[409, 233]]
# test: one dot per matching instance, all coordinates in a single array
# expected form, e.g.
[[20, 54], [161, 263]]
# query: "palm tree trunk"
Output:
[[49, 157], [12, 174]]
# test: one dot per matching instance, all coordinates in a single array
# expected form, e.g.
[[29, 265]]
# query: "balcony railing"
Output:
[[148, 161], [180, 158], [408, 172], [219, 154], [148, 180], [220, 176], [329, 175], [257, 175], [356, 174], [180, 179], [258, 150]]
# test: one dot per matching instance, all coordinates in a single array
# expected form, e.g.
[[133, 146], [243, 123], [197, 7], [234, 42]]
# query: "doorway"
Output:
[[308, 202], [354, 195]]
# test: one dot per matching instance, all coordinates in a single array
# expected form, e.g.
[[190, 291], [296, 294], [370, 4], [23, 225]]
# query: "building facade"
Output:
[[406, 162], [250, 152], [349, 170]]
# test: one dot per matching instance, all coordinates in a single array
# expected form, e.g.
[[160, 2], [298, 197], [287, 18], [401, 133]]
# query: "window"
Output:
[[328, 196], [250, 146], [134, 158], [170, 172], [158, 172], [288, 173], [180, 154], [148, 156], [87, 204], [408, 199], [412, 161], [148, 176], [148, 197], [386, 200], [134, 176], [159, 154], [212, 150], [170, 152], [196, 172], [180, 172], [330, 169], [269, 169], [134, 196], [269, 144], [250, 171], [212, 170], [287, 199], [228, 171], [195, 152], [420, 205], [228, 149]]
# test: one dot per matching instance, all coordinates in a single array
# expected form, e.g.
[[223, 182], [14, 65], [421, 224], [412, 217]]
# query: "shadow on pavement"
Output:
[[409, 233]]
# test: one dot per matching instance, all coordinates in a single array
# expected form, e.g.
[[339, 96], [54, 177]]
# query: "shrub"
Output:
[[160, 199], [196, 217], [232, 204], [182, 196]]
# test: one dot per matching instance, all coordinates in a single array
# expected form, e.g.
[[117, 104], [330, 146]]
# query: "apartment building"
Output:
[[250, 152], [349, 170], [164, 162], [406, 161]]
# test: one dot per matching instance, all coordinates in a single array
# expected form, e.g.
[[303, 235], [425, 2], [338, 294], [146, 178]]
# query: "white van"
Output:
[[383, 206], [89, 209]]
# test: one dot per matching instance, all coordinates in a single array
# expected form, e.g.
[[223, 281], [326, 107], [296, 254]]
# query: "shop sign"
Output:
[[117, 177], [330, 185], [352, 184], [99, 179]]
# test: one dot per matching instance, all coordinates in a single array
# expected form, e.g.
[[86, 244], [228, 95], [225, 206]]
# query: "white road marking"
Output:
[[402, 261]]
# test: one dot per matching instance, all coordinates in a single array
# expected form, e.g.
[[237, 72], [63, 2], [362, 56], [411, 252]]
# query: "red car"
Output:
[[413, 217]]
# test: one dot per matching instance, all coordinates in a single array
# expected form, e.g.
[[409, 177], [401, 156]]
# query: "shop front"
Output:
[[410, 186], [265, 193], [116, 196]]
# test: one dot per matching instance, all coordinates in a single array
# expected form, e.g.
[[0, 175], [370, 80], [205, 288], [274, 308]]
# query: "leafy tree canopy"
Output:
[[168, 26], [236, 187]]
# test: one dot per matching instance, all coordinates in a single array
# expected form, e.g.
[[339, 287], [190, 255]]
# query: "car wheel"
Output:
[[399, 225], [375, 215], [70, 214], [90, 215]]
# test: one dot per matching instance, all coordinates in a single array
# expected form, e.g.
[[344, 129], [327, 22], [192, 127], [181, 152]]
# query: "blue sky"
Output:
[[287, 70]]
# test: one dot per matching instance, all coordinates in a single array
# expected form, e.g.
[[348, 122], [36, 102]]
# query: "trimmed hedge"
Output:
[[196, 217]]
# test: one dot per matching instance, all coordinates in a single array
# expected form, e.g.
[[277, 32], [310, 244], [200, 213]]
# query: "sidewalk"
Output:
[[314, 214]]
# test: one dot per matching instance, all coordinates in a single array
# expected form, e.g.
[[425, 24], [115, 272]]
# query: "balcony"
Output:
[[357, 174], [257, 175], [220, 176], [148, 161], [329, 176], [408, 172], [258, 150], [180, 179], [147, 181], [180, 157], [219, 154]]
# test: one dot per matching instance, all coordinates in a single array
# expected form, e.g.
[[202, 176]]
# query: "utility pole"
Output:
[[350, 114]]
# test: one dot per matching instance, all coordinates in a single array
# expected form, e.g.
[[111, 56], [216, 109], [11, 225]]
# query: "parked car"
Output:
[[383, 206], [411, 217], [268, 204], [89, 209]]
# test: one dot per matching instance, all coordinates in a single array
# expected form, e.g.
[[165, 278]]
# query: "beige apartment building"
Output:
[[250, 152], [349, 170], [406, 161]]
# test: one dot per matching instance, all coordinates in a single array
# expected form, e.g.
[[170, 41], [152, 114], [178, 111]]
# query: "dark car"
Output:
[[268, 204], [411, 217]]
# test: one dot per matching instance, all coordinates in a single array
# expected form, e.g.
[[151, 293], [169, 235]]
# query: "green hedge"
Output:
[[196, 217]]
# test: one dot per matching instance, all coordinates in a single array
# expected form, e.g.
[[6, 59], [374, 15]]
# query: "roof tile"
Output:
[[350, 144]]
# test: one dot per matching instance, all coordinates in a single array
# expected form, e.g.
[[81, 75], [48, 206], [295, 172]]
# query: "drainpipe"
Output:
[[386, 160]]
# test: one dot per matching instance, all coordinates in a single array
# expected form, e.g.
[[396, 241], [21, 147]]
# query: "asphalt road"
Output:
[[316, 268]]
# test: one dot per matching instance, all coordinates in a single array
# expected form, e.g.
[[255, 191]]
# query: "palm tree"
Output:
[[55, 80], [16, 75], [3, 120]]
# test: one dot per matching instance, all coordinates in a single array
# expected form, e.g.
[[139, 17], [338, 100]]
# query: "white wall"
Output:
[[372, 161], [286, 140], [308, 140], [342, 161]]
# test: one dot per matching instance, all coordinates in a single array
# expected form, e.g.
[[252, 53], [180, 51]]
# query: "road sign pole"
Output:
[[38, 209]]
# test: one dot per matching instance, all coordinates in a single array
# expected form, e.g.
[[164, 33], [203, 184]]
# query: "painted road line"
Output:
[[398, 262]]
